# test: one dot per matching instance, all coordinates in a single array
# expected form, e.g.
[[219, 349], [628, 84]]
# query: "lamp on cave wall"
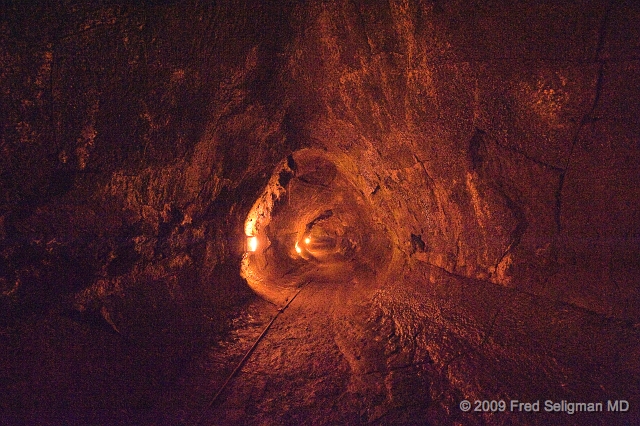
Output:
[[249, 231], [252, 243]]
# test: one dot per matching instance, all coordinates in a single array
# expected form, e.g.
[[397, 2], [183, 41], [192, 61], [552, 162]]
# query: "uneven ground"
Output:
[[351, 359]]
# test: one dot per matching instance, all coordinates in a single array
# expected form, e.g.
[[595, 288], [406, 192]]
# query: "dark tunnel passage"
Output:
[[312, 224], [322, 212]]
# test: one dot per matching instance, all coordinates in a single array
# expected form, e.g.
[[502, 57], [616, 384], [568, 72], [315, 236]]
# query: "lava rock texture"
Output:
[[467, 173]]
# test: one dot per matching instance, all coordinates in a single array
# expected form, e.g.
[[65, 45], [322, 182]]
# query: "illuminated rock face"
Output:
[[467, 177], [476, 149]]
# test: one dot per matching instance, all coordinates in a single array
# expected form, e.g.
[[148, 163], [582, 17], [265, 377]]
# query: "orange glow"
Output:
[[298, 249], [252, 243], [307, 240]]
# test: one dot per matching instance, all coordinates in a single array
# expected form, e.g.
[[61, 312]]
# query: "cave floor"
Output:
[[337, 355], [300, 372]]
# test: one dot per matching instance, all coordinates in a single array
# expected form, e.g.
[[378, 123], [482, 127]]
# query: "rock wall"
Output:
[[496, 133], [135, 139]]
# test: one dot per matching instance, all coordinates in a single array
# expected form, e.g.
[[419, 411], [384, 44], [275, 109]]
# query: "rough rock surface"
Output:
[[468, 175]]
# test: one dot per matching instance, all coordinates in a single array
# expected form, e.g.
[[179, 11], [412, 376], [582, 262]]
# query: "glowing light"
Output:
[[252, 243], [307, 240], [298, 249]]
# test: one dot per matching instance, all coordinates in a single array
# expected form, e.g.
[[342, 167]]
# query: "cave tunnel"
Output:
[[322, 212]]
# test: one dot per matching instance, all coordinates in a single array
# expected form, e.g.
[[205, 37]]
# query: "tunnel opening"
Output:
[[313, 225]]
